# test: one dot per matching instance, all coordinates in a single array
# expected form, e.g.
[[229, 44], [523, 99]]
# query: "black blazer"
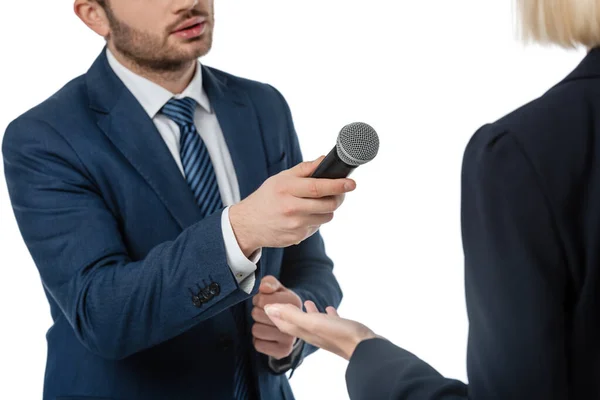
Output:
[[531, 237]]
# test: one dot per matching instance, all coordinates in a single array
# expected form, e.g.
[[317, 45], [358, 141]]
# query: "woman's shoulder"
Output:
[[554, 134], [557, 127]]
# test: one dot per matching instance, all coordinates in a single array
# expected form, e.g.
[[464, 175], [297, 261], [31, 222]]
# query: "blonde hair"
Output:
[[567, 23]]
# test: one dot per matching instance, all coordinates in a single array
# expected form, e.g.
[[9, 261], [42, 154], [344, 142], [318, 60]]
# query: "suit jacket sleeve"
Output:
[[306, 268], [115, 305], [515, 277]]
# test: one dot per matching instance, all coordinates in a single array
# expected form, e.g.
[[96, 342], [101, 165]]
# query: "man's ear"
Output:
[[93, 15]]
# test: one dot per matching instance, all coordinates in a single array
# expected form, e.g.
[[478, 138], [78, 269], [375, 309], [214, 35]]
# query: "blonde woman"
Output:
[[531, 238]]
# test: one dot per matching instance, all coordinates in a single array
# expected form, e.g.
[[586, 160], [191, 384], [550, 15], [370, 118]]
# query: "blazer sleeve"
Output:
[[515, 281], [116, 306], [306, 268]]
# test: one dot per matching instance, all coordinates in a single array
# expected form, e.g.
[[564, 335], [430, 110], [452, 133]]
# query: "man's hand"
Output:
[[267, 338], [325, 330], [288, 208]]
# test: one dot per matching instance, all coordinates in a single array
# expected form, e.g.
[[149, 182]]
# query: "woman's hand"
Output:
[[328, 330]]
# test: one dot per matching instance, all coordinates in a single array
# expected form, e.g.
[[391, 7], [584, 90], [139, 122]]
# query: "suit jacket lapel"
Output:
[[127, 125], [241, 129]]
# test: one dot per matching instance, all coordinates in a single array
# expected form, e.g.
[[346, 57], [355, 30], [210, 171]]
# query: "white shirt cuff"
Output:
[[243, 268]]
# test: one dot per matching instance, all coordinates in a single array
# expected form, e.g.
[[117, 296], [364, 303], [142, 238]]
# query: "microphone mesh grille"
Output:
[[357, 144]]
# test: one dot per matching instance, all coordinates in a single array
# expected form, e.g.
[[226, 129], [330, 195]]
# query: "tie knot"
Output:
[[180, 110]]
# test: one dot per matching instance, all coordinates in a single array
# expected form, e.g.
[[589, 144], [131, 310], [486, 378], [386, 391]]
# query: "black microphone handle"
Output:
[[332, 167]]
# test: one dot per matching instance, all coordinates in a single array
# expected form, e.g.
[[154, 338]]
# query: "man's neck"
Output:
[[173, 81]]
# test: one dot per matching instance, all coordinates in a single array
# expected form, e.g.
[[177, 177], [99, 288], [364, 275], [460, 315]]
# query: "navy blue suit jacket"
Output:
[[531, 239], [122, 251]]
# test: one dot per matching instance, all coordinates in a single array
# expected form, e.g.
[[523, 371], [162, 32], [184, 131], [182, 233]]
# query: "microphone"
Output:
[[357, 144]]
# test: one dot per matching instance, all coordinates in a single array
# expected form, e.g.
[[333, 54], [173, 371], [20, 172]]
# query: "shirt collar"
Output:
[[152, 96]]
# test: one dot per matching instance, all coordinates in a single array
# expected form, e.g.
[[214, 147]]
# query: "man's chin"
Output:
[[194, 49]]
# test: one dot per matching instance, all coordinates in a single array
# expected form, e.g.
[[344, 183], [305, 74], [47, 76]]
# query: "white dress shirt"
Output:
[[153, 97]]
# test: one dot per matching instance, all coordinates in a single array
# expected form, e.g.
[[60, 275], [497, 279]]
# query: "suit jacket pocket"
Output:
[[277, 166]]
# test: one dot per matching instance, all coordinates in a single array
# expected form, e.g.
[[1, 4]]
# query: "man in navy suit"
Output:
[[165, 204]]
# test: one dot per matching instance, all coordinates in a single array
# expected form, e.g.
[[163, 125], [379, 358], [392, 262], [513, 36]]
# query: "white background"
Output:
[[424, 74]]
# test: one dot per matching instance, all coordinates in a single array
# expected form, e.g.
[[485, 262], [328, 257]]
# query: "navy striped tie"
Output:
[[202, 180], [195, 159]]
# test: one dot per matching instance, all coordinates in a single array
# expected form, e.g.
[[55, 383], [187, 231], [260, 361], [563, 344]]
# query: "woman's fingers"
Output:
[[295, 322]]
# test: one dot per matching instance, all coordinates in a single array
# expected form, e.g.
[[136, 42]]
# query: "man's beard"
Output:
[[150, 51]]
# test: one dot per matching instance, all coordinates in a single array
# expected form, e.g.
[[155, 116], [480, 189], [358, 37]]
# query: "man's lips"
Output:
[[191, 28], [189, 23]]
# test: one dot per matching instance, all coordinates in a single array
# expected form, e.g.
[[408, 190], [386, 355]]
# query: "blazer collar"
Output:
[[589, 67]]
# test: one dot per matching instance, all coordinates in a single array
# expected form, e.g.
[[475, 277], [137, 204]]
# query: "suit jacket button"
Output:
[[205, 296], [197, 301], [214, 289]]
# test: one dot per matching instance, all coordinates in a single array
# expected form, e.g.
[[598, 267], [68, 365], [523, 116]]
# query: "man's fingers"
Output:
[[272, 349], [271, 334], [332, 311], [269, 284], [259, 315], [310, 307], [320, 187], [322, 205], [316, 220], [304, 169]]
